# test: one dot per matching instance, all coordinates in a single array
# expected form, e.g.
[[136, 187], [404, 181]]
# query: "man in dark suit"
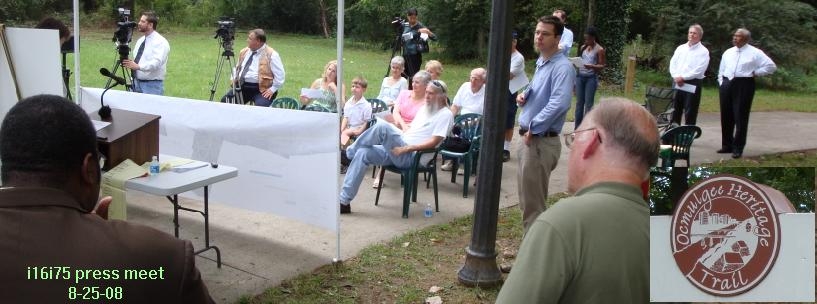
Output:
[[55, 246]]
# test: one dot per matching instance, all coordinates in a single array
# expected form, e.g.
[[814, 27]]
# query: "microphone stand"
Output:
[[105, 110]]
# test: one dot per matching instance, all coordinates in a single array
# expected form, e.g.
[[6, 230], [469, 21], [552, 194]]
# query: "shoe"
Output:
[[345, 209], [343, 169], [725, 151], [506, 156], [461, 172], [447, 165], [376, 184], [737, 154]]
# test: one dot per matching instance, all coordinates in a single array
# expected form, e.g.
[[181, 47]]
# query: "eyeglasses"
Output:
[[101, 159], [438, 84], [570, 137]]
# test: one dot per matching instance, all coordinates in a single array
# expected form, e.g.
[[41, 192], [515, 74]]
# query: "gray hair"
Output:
[[422, 76], [698, 28], [629, 127], [744, 32], [481, 72], [399, 60]]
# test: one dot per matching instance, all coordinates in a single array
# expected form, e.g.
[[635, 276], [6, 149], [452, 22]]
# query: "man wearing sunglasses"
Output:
[[544, 106], [53, 242], [594, 247], [384, 144]]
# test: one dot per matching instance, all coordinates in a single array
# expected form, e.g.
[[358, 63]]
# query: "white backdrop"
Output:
[[287, 159], [36, 57]]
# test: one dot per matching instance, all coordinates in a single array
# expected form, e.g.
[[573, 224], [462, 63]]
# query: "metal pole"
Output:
[[339, 101], [480, 267]]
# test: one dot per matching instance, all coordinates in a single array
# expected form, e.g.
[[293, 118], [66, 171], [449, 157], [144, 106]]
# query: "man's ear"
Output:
[[90, 169], [593, 146]]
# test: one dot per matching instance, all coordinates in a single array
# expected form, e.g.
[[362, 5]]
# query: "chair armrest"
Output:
[[420, 153]]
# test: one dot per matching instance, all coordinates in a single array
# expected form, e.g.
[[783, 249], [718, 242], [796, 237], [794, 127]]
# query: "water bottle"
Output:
[[154, 165], [428, 211]]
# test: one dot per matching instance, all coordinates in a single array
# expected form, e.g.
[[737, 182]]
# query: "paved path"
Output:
[[260, 250]]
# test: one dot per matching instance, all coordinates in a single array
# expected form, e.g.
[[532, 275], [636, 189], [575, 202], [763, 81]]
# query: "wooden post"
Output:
[[629, 81]]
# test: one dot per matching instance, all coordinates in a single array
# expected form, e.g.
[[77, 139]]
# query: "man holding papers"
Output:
[[687, 68]]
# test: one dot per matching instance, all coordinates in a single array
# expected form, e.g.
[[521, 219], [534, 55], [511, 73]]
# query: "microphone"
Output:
[[106, 73]]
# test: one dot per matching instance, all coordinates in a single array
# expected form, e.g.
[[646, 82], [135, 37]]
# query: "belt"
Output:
[[543, 134]]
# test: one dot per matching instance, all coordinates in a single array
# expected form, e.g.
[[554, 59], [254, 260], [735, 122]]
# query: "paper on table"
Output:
[[113, 184], [518, 83], [686, 87], [312, 93], [576, 61], [99, 125]]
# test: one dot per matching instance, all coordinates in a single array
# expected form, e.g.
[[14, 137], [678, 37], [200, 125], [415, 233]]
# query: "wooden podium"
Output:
[[131, 135]]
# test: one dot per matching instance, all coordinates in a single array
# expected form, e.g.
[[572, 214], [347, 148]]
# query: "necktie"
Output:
[[246, 67], [141, 49]]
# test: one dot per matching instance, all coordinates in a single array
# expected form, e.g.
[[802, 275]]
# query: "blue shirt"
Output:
[[548, 97]]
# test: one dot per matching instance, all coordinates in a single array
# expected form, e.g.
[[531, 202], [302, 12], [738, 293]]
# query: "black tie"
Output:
[[246, 67], [141, 49]]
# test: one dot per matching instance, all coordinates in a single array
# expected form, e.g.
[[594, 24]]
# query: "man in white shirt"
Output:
[[736, 76], [470, 97], [566, 42], [259, 73], [687, 67], [384, 144], [150, 64]]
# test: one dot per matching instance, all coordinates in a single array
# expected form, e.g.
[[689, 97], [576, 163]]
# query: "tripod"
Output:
[[395, 46], [227, 55], [116, 66], [66, 75]]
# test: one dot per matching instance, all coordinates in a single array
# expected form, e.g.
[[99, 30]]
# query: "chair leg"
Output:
[[467, 174], [407, 194], [416, 179], [379, 186], [436, 199], [454, 169]]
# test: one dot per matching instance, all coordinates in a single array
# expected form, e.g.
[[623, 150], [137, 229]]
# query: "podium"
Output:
[[131, 135]]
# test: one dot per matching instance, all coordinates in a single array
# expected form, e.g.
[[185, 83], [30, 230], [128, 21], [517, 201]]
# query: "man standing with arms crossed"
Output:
[[544, 106], [150, 64], [687, 66]]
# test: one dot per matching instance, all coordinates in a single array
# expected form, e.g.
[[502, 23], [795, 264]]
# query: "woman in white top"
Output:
[[394, 83], [593, 61]]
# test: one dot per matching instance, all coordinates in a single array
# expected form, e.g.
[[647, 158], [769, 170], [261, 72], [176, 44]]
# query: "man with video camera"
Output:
[[150, 64], [415, 42]]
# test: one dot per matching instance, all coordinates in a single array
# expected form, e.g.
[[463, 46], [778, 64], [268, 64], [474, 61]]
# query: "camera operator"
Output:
[[259, 72], [414, 38], [150, 64]]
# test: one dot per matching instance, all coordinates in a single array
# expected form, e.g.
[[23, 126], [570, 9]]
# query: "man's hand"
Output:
[[527, 137], [397, 151], [679, 81], [267, 94], [520, 99], [130, 64], [101, 208]]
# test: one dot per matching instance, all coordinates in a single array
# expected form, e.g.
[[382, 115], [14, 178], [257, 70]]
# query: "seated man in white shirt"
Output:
[[470, 97], [384, 144]]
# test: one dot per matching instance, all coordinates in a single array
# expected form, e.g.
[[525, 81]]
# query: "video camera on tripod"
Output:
[[226, 33], [124, 32]]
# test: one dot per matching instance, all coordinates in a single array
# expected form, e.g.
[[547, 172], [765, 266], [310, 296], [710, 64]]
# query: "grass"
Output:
[[194, 56]]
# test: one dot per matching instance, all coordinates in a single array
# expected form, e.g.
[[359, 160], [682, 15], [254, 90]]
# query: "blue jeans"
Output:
[[585, 94], [154, 87], [373, 147]]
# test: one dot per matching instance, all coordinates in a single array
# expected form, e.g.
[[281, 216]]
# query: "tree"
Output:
[[612, 25]]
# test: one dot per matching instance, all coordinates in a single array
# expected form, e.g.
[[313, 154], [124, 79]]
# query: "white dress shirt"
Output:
[[520, 79], [153, 63], [747, 61], [468, 101], [566, 42], [357, 113], [689, 62], [275, 64]]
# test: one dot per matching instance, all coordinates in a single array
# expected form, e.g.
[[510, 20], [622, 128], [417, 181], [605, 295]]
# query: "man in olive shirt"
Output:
[[594, 246]]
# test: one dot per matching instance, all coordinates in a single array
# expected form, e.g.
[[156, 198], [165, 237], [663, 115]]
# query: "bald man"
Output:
[[594, 247]]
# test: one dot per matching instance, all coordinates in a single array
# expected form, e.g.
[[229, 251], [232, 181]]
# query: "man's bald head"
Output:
[[629, 128]]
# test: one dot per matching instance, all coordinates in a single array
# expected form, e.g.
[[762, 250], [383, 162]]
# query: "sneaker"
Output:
[[506, 155], [345, 209], [461, 171], [447, 165], [376, 184]]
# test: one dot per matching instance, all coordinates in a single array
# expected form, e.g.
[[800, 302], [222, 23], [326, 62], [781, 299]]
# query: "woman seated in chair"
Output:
[[435, 68], [328, 86], [394, 83], [407, 104]]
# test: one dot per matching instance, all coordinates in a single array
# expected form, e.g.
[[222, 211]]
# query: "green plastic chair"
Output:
[[316, 108], [680, 138], [470, 126], [286, 103], [659, 102], [410, 177]]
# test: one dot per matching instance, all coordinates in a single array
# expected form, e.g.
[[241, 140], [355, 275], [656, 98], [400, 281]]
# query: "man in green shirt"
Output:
[[594, 247]]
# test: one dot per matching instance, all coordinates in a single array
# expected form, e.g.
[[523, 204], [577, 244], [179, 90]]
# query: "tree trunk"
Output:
[[591, 13], [324, 25]]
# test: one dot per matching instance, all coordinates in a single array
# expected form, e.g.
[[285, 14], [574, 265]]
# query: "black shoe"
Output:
[[737, 154], [725, 151], [345, 209], [506, 155]]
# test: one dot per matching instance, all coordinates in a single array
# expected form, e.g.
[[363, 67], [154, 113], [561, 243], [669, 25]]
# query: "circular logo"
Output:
[[725, 235]]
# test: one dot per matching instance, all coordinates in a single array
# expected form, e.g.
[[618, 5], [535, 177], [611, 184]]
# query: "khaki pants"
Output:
[[535, 164]]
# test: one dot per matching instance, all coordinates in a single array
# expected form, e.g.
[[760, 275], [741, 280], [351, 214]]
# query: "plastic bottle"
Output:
[[154, 165], [428, 211]]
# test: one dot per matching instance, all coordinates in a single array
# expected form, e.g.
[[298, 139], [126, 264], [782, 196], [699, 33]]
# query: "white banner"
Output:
[[36, 59], [287, 159]]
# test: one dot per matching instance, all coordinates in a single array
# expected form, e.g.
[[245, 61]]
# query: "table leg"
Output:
[[176, 207], [175, 201]]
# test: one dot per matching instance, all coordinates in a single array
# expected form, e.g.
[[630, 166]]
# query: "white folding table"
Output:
[[170, 183]]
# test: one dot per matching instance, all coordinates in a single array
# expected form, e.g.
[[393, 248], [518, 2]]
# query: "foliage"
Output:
[[18, 11], [613, 17], [797, 183], [463, 25], [277, 15]]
